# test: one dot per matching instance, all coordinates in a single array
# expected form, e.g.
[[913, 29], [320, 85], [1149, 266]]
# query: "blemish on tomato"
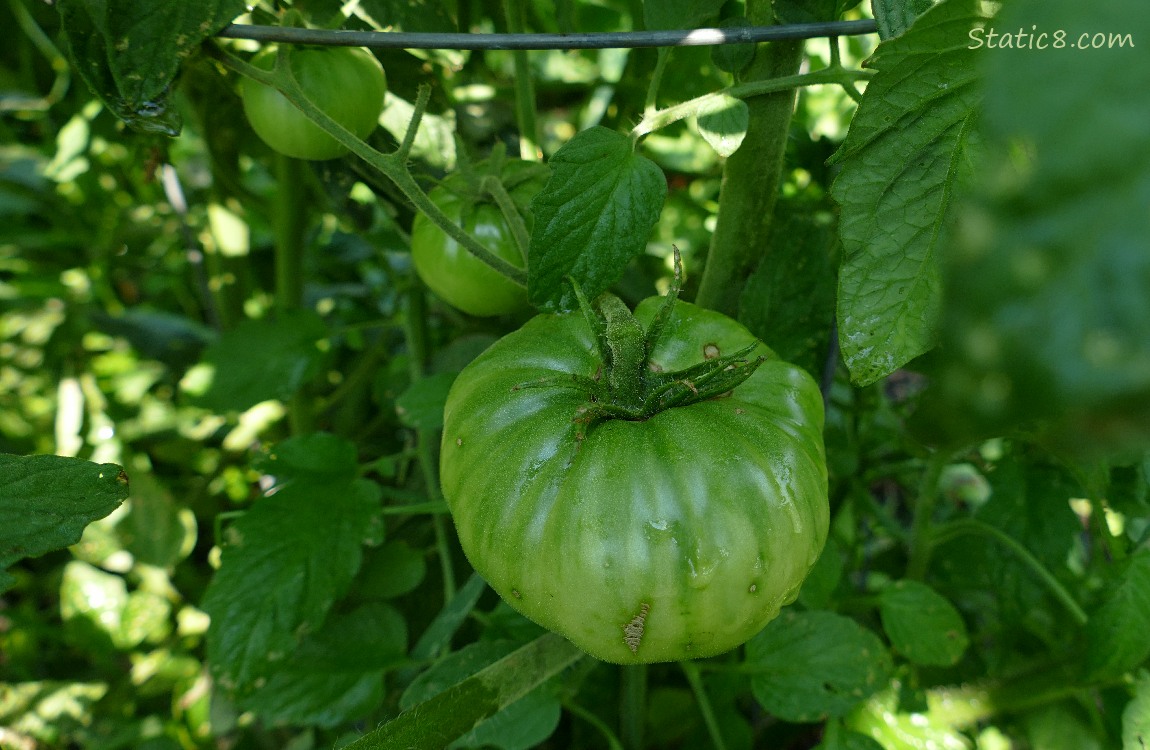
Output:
[[711, 351], [458, 442], [633, 631], [516, 594]]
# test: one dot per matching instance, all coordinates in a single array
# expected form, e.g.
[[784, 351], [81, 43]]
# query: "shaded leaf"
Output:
[[1117, 632], [788, 302], [901, 163], [284, 564], [420, 407], [129, 51], [678, 14], [594, 215], [894, 17], [922, 625], [256, 361], [390, 571], [811, 665], [436, 722]]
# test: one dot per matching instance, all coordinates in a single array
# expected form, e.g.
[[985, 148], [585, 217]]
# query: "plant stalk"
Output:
[[290, 226], [751, 175], [921, 531], [633, 712], [524, 86], [691, 670], [963, 526]]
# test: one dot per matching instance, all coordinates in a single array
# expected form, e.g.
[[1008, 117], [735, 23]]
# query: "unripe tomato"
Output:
[[347, 83], [451, 271], [677, 536]]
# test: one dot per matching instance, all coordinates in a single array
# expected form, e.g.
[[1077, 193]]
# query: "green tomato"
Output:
[[346, 83], [455, 274], [674, 536]]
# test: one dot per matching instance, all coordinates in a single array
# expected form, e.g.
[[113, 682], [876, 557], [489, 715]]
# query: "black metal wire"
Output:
[[598, 40]]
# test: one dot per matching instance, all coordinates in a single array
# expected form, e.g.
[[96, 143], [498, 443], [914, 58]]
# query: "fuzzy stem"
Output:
[[974, 526], [633, 711], [415, 332], [751, 176], [524, 86], [921, 532], [691, 670]]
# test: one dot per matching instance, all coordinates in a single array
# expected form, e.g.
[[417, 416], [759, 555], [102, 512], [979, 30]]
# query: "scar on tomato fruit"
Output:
[[633, 631]]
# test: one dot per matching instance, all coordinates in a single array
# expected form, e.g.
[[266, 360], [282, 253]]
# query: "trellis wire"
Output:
[[595, 40]]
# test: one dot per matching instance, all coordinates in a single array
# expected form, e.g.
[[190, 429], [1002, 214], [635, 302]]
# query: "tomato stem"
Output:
[[691, 670], [633, 708], [524, 86], [963, 526], [921, 532], [751, 176]]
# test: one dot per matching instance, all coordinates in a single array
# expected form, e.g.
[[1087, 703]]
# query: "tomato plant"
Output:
[[652, 495], [346, 83], [453, 272], [769, 394]]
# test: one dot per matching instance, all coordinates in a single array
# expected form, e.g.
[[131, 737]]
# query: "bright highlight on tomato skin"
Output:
[[672, 536]]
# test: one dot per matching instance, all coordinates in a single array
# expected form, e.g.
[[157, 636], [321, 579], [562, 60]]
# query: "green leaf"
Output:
[[317, 455], [1136, 716], [901, 163], [46, 501], [436, 722], [129, 51], [1117, 632], [1046, 324], [390, 571], [788, 303], [820, 584], [256, 361], [810, 11], [156, 531], [594, 215], [284, 564], [922, 625], [732, 58], [521, 725], [723, 123], [1061, 726], [324, 699], [811, 665], [894, 17], [453, 614], [336, 674], [420, 407], [678, 14]]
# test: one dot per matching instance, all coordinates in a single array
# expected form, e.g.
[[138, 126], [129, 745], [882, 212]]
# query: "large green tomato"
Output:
[[347, 83], [670, 522], [452, 272]]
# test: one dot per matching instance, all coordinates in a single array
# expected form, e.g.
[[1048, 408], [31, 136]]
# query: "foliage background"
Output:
[[985, 582]]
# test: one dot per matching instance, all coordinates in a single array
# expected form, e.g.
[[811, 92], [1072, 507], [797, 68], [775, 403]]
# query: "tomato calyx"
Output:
[[630, 385]]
